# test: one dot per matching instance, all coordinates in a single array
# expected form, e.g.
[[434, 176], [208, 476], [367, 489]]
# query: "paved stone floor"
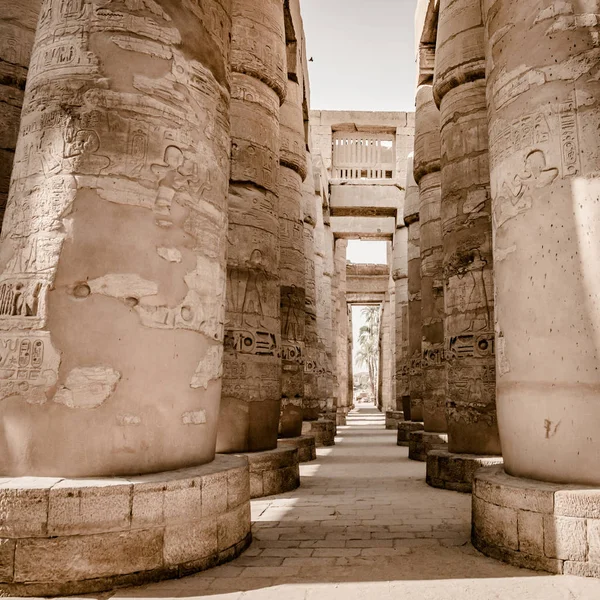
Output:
[[365, 525]]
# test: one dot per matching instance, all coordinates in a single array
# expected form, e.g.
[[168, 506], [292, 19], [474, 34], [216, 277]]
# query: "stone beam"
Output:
[[362, 199], [376, 228]]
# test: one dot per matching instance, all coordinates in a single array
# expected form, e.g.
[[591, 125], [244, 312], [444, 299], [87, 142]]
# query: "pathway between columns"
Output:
[[365, 525]]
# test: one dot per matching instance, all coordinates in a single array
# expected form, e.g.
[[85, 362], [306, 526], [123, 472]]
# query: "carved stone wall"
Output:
[[428, 177], [459, 89], [543, 96], [18, 19], [251, 399], [292, 172], [112, 285]]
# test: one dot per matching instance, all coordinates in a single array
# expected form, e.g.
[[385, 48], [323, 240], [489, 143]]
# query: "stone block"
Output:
[[495, 486], [215, 493], [147, 505], [577, 503], [88, 506], [187, 542], [7, 555], [233, 527], [238, 487], [531, 532], [497, 525], [593, 540], [565, 538], [183, 500], [256, 485], [581, 569], [405, 428], [281, 481], [24, 506], [80, 557], [455, 472]]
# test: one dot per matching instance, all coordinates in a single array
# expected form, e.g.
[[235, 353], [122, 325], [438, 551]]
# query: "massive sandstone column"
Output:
[[112, 261], [310, 401], [292, 172], [251, 397], [544, 107], [428, 177], [400, 277], [459, 90], [18, 19], [340, 323], [411, 219]]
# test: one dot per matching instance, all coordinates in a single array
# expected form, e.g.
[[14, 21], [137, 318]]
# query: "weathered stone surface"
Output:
[[274, 471], [113, 164], [451, 471], [401, 296], [393, 418], [323, 430], [405, 428], [531, 532], [17, 29], [179, 523], [543, 98], [251, 399], [306, 445], [422, 442], [428, 177]]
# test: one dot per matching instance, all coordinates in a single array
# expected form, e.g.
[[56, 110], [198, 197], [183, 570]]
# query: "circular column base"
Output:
[[455, 472], [422, 442], [273, 472], [405, 428], [537, 525], [79, 536], [393, 418], [306, 445], [323, 430], [340, 418]]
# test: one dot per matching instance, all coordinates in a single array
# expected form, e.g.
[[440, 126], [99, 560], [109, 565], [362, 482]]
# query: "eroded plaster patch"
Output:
[[87, 387], [197, 417], [209, 368], [123, 286], [128, 420], [170, 254]]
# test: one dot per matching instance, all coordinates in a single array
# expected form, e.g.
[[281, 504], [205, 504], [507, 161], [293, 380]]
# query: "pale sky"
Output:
[[363, 53]]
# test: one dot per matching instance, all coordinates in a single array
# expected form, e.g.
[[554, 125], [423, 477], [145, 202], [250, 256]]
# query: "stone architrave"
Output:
[[543, 94], [411, 220], [112, 259], [459, 90], [292, 173], [18, 19], [400, 277], [310, 402], [428, 177], [251, 399]]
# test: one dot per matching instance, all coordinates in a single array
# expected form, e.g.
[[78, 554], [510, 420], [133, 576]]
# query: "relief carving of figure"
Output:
[[293, 314], [516, 196]]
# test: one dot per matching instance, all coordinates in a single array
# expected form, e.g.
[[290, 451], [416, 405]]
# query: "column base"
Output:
[[393, 418], [405, 428], [537, 525], [340, 419], [449, 471], [306, 445], [422, 442], [323, 430], [79, 536], [273, 472]]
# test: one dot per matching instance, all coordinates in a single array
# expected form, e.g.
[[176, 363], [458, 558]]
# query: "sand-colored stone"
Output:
[[543, 96], [323, 430], [112, 167], [420, 443], [251, 398], [305, 444]]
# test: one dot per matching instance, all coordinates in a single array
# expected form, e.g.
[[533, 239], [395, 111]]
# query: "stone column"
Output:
[[251, 399], [292, 172], [400, 277], [387, 362], [428, 177], [411, 220], [311, 336], [543, 95], [329, 397], [544, 155], [459, 90], [112, 285], [18, 20], [350, 359], [341, 329]]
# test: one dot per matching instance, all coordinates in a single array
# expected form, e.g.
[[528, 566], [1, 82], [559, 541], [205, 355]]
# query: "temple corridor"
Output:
[[364, 524]]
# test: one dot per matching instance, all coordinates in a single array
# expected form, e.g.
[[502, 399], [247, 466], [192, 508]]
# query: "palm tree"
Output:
[[368, 344]]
